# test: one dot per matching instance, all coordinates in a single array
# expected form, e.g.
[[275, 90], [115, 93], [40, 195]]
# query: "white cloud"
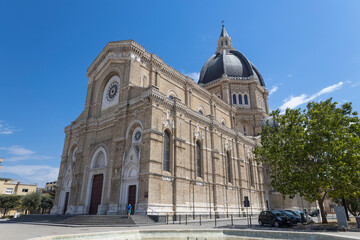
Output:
[[17, 150], [273, 90], [6, 129], [194, 75], [39, 174], [293, 102], [18, 153], [290, 75]]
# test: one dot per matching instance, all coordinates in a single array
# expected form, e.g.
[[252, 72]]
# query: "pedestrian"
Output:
[[129, 207]]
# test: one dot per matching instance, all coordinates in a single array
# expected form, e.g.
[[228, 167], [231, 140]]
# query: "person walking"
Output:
[[129, 207]]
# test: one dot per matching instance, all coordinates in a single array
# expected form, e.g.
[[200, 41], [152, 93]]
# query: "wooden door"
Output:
[[96, 193], [66, 202], [132, 197]]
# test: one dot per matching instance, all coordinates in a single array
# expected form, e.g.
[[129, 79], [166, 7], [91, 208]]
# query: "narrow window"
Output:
[[252, 182], [240, 99], [229, 170], [201, 112], [234, 99], [225, 42], [244, 131], [198, 159], [246, 100], [166, 163]]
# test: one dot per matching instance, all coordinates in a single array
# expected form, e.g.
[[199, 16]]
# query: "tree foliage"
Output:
[[31, 201], [9, 202], [46, 203], [314, 152]]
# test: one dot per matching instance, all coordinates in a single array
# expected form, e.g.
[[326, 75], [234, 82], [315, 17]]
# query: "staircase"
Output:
[[81, 220], [142, 220]]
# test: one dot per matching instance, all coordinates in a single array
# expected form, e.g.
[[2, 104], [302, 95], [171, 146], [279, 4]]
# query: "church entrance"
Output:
[[66, 202], [132, 197], [96, 193]]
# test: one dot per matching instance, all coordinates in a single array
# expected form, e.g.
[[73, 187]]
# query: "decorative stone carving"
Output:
[[168, 122]]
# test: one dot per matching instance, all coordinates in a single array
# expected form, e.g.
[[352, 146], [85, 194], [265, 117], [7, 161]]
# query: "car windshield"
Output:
[[278, 213], [288, 213], [298, 212]]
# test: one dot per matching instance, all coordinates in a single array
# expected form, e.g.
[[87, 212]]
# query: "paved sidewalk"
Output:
[[21, 231]]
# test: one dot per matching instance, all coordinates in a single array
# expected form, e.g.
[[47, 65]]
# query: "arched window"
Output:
[[166, 160], [240, 99], [198, 159], [229, 169], [244, 131], [234, 99], [246, 99]]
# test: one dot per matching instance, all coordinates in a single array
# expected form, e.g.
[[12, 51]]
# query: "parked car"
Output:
[[294, 218], [274, 218], [308, 218]]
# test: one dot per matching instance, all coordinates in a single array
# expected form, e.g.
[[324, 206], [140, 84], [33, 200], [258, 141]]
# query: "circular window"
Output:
[[112, 91]]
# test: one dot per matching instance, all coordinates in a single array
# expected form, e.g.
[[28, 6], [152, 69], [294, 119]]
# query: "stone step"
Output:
[[142, 220]]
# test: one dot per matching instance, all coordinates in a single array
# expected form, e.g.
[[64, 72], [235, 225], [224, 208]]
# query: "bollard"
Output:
[[232, 222], [200, 219]]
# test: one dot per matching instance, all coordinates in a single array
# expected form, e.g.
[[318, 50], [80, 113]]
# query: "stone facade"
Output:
[[148, 130]]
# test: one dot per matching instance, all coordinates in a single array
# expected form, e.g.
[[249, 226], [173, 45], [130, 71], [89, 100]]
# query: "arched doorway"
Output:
[[130, 174], [96, 182]]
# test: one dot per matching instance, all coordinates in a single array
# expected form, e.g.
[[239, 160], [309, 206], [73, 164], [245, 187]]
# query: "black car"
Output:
[[294, 218], [274, 218]]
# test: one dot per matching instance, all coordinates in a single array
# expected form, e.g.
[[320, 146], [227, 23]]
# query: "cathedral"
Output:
[[152, 137]]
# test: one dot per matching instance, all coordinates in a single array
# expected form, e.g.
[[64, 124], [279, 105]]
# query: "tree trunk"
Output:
[[346, 208], [322, 210]]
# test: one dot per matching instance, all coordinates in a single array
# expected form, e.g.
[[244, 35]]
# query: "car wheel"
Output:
[[276, 224], [261, 223]]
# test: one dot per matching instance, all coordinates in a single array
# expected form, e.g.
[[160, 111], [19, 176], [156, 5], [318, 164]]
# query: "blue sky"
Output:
[[306, 50]]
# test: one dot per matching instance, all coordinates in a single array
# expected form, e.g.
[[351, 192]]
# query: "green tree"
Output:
[[352, 204], [9, 202], [46, 203], [31, 201], [314, 152]]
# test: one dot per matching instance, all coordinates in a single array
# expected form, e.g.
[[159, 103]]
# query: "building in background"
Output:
[[12, 186]]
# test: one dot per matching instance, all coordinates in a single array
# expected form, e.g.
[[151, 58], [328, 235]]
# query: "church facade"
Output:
[[152, 137]]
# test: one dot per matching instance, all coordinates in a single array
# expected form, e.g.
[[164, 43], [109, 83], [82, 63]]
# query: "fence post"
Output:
[[232, 222]]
